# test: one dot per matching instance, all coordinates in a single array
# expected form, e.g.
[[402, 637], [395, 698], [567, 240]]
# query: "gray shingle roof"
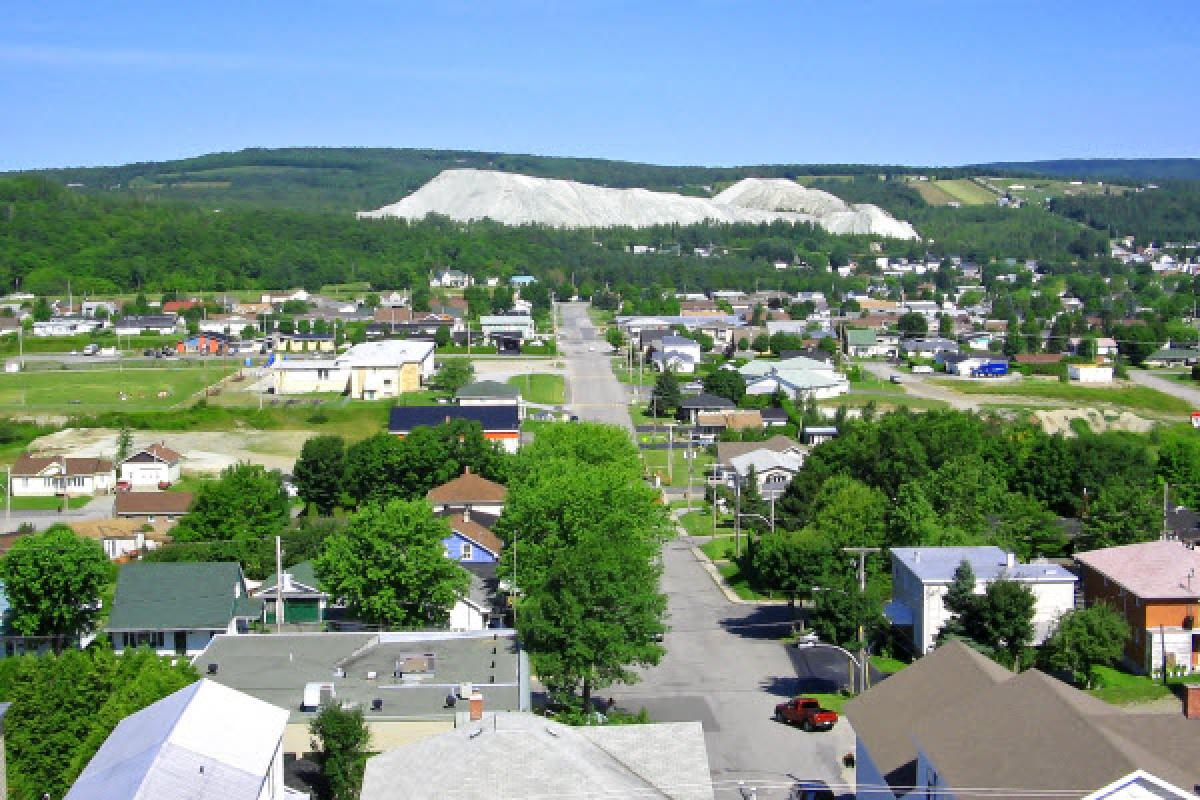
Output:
[[201, 596], [517, 756]]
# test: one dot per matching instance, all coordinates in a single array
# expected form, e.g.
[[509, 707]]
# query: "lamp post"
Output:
[[861, 684]]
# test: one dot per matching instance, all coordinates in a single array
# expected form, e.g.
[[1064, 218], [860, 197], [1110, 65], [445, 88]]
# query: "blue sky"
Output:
[[702, 82]]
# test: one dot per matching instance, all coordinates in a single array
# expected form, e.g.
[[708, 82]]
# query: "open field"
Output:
[[966, 192], [1036, 190], [98, 390], [1132, 397], [932, 193], [46, 503], [542, 388]]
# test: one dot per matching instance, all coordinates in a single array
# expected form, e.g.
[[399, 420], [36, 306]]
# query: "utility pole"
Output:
[[1165, 528], [670, 452], [862, 553], [737, 518], [278, 585]]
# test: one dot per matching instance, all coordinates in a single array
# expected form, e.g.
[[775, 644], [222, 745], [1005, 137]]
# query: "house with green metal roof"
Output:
[[304, 602], [865, 343], [176, 609]]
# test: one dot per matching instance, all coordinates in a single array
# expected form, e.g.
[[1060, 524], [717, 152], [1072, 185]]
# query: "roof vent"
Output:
[[212, 668], [377, 704]]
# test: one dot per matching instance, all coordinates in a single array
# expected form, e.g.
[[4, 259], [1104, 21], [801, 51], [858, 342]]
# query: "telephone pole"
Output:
[[862, 553]]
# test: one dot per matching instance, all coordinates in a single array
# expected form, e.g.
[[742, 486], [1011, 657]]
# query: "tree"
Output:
[[727, 383], [666, 397], [372, 300], [124, 444], [792, 562], [960, 595], [841, 608], [911, 521], [236, 517], [320, 472], [441, 336], [454, 374], [945, 325], [53, 580], [1084, 639], [913, 324], [1120, 514], [341, 742], [1001, 619], [613, 337], [389, 566]]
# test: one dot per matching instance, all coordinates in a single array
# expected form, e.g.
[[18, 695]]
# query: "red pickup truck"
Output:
[[806, 712]]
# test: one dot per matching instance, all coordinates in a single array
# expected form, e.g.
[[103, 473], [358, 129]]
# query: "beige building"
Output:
[[369, 371]]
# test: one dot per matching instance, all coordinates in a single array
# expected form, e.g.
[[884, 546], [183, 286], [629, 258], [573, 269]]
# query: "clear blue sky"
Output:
[[737, 82]]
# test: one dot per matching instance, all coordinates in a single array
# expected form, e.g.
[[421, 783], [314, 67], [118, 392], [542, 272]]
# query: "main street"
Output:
[[725, 665]]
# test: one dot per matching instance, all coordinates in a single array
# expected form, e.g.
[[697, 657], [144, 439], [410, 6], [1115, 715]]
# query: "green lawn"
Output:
[[699, 523], [888, 665], [97, 390], [656, 463], [540, 388], [1122, 688], [630, 376], [1133, 397], [46, 503], [738, 582], [721, 548], [833, 702]]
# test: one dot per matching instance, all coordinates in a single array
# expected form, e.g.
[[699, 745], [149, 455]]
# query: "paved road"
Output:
[[592, 390], [725, 667], [99, 508], [1166, 386]]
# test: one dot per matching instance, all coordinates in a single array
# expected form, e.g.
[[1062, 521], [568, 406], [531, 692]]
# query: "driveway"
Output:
[[593, 392], [917, 386], [725, 667], [1167, 386], [100, 507]]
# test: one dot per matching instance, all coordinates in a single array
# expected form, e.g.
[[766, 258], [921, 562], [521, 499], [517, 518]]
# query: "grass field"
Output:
[[1121, 688], [1132, 397], [931, 193], [540, 388], [46, 503], [96, 390], [966, 192]]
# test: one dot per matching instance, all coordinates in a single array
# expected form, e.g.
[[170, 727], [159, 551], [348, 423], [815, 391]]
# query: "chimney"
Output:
[[1010, 560], [476, 706], [466, 514], [916, 556]]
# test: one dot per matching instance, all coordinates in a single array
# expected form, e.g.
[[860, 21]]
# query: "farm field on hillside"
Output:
[[932, 193], [966, 191]]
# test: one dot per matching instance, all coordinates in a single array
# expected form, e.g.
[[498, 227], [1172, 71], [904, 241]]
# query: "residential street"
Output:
[[100, 507], [724, 665]]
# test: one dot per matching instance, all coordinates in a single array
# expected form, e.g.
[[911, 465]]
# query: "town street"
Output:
[[725, 665], [1166, 385]]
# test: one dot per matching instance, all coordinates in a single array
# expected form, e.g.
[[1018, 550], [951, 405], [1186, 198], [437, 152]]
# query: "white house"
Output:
[[66, 326], [1090, 373], [773, 470], [676, 353], [798, 377], [204, 742], [368, 371], [921, 576], [161, 324], [177, 608], [451, 279], [47, 476], [150, 466]]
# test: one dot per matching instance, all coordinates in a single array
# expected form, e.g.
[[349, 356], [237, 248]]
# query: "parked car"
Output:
[[810, 790], [91, 349], [807, 713], [896, 379]]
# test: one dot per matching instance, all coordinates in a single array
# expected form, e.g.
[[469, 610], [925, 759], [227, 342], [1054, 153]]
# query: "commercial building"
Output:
[[368, 371]]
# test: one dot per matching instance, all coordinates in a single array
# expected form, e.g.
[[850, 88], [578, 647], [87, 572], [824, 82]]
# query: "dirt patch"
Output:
[[1060, 421], [204, 452]]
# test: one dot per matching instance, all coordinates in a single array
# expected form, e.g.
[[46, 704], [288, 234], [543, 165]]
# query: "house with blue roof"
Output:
[[921, 576]]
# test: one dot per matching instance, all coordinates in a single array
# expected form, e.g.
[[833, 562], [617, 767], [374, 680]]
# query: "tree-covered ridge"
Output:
[[1135, 169], [1170, 213]]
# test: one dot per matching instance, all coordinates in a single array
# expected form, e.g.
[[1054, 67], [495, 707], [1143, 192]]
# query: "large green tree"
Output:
[[320, 472], [390, 568], [1084, 639], [236, 517], [52, 581], [1001, 619], [665, 399], [727, 383]]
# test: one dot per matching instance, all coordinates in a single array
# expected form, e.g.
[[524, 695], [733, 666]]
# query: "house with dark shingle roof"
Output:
[[689, 407], [468, 492], [176, 609], [47, 476], [500, 422], [150, 466]]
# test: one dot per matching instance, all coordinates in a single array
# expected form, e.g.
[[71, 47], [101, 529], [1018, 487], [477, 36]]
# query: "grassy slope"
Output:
[[966, 192], [97, 390], [1133, 397]]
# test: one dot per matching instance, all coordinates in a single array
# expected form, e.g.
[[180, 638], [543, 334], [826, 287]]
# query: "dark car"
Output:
[[810, 790]]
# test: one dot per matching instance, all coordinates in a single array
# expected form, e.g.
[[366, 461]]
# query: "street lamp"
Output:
[[858, 665]]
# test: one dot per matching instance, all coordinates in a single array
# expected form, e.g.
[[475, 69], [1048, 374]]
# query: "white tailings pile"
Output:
[[468, 194]]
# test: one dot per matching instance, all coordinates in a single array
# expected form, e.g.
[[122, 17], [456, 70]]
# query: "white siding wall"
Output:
[[465, 617]]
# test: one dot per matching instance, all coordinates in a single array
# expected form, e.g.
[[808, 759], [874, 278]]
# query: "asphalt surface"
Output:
[[918, 387], [1166, 386], [593, 392], [100, 507], [726, 667]]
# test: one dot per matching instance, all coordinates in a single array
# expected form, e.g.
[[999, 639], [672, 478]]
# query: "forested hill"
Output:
[[1114, 169], [347, 179]]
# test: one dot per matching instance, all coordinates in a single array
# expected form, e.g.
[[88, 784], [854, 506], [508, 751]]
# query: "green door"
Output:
[[302, 611]]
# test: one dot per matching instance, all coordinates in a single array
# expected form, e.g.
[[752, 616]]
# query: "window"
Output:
[[322, 374], [465, 552]]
